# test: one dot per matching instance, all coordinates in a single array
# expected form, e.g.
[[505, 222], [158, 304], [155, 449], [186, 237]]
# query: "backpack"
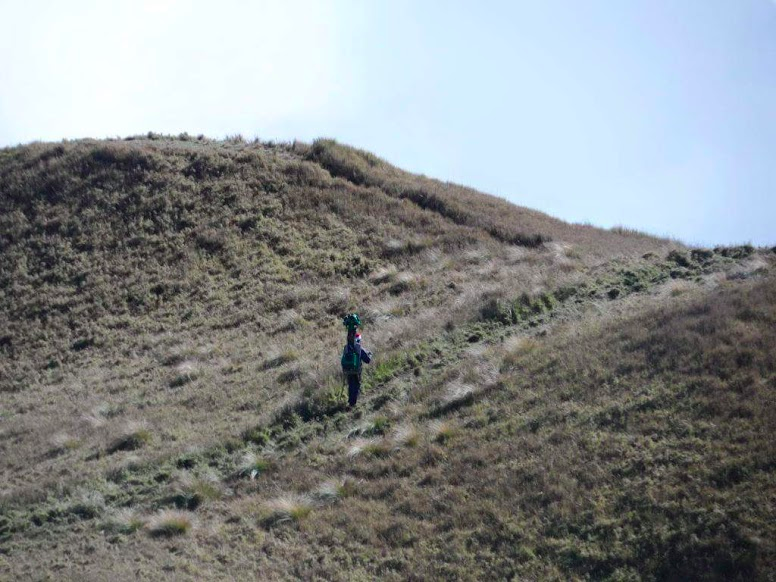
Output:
[[351, 360]]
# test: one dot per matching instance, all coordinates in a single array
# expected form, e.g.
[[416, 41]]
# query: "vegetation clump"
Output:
[[286, 508], [736, 252], [373, 447], [123, 521], [252, 465], [192, 491], [679, 258], [406, 435], [170, 523], [86, 504], [333, 490], [441, 431], [63, 442], [134, 436]]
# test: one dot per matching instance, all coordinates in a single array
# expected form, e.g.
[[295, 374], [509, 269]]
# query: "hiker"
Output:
[[352, 357]]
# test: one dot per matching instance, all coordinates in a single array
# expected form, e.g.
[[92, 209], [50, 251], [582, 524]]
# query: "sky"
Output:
[[658, 115]]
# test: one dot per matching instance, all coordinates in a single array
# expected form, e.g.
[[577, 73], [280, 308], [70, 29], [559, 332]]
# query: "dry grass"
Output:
[[405, 435], [185, 372], [287, 508], [333, 490], [442, 431], [123, 521], [65, 442], [252, 465], [193, 489], [376, 447], [93, 420], [170, 523], [85, 503], [456, 394], [132, 436], [585, 438]]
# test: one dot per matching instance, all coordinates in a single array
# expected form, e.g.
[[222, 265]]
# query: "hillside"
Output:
[[548, 400]]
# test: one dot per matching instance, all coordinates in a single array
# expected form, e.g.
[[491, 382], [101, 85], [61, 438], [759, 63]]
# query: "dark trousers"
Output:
[[354, 385]]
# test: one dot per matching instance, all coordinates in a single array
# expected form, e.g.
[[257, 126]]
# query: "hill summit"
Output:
[[547, 400]]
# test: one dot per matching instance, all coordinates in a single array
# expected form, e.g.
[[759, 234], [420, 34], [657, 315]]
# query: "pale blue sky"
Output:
[[656, 114]]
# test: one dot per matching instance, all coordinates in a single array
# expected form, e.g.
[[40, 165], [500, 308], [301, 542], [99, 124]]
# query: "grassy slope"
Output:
[[137, 274], [170, 283]]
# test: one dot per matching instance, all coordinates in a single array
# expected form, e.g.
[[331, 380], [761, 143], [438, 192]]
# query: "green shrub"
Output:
[[679, 258], [257, 435], [526, 307], [738, 252], [497, 310], [701, 255]]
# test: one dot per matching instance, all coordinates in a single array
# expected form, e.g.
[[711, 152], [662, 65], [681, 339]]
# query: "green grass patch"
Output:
[[387, 369]]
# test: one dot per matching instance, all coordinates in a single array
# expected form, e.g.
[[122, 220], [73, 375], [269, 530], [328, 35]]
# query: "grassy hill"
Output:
[[548, 400]]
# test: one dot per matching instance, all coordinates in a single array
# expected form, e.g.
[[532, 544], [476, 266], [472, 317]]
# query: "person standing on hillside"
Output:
[[353, 356]]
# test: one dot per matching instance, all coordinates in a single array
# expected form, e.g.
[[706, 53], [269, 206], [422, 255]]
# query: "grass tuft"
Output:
[[190, 491], [86, 504], [369, 447], [134, 436], [286, 356], [186, 371], [123, 521], [441, 431], [333, 490], [286, 508], [378, 426], [170, 523], [252, 465], [406, 435], [207, 487], [64, 442]]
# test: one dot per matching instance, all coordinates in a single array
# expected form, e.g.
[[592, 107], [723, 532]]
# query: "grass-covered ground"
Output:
[[548, 400]]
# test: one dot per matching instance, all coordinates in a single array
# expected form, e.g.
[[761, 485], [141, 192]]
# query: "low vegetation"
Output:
[[170, 523], [122, 522], [134, 436], [286, 508]]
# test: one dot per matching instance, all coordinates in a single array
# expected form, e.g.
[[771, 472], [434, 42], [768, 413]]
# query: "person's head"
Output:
[[351, 336], [351, 321]]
